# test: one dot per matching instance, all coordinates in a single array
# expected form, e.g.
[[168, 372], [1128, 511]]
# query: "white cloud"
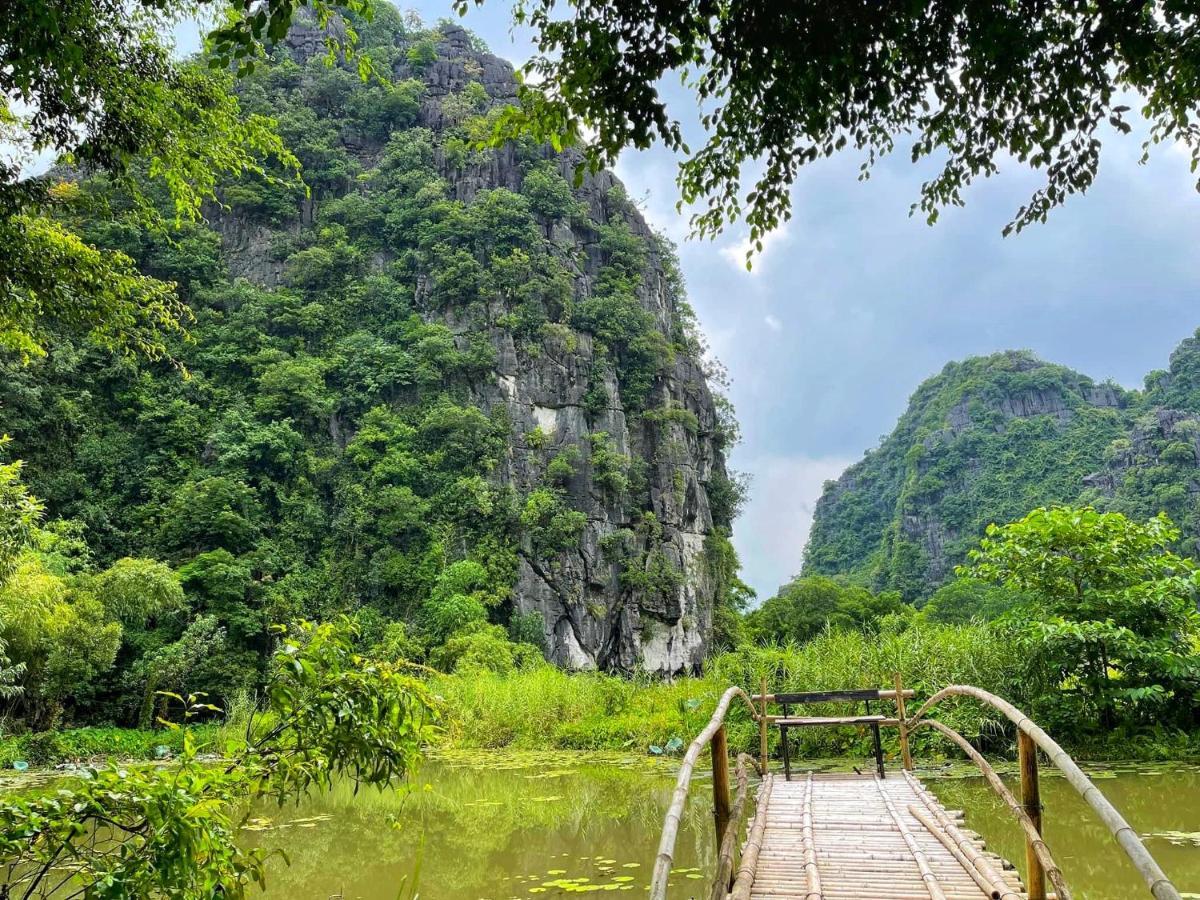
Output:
[[771, 533], [736, 251], [773, 323]]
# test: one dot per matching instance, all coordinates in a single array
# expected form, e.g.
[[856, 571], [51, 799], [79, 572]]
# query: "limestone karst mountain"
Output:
[[446, 373]]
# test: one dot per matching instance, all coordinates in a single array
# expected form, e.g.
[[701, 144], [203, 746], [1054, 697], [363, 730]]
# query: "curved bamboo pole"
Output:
[[1053, 872], [666, 845], [720, 885], [749, 864], [1160, 886]]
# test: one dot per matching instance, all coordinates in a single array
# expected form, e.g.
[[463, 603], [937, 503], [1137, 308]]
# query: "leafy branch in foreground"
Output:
[[173, 831], [781, 85]]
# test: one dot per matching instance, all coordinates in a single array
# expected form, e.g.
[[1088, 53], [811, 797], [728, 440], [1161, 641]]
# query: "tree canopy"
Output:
[[781, 85], [1109, 616], [93, 83]]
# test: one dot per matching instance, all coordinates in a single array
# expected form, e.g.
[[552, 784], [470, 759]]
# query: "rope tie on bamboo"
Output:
[[918, 855]]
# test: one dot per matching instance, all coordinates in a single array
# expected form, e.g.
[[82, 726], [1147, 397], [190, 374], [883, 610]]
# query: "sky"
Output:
[[854, 303]]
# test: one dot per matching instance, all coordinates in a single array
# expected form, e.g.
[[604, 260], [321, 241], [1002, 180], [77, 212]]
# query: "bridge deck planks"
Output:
[[860, 850]]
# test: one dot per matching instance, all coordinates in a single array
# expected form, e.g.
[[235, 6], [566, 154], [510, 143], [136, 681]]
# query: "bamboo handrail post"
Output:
[[720, 782], [1031, 800], [763, 724], [728, 841], [666, 843], [1063, 892], [902, 724]]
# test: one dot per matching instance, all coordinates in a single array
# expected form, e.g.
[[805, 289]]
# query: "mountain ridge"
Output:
[[990, 437]]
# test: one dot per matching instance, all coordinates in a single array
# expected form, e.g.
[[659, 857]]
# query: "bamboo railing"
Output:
[[1040, 863], [666, 845], [1156, 880]]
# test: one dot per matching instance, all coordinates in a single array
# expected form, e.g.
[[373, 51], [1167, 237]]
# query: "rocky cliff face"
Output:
[[636, 593]]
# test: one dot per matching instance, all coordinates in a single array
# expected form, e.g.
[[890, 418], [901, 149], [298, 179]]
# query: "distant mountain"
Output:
[[988, 439]]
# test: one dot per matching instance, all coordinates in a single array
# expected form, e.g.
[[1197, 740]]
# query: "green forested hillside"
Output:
[[443, 391], [990, 438]]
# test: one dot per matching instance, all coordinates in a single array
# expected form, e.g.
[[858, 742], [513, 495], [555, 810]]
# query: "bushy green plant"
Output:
[[806, 606], [174, 829]]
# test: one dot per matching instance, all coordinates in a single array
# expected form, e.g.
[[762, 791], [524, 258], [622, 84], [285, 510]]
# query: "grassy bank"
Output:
[[548, 709], [48, 748], [544, 708]]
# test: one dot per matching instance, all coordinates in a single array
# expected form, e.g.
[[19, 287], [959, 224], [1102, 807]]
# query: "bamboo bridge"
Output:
[[876, 836]]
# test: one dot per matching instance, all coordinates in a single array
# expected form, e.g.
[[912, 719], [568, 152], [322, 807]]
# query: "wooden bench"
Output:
[[787, 720]]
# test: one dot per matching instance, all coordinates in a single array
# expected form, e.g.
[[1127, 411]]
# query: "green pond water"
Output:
[[545, 825]]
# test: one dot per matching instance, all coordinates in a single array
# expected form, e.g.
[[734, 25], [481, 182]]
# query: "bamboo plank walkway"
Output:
[[858, 836]]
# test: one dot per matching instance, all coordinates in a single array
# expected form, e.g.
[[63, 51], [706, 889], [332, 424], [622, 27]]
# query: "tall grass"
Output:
[[547, 708]]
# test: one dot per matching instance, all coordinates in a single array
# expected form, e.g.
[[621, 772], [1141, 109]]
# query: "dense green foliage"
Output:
[[806, 606], [321, 447], [94, 83], [989, 439], [1109, 622]]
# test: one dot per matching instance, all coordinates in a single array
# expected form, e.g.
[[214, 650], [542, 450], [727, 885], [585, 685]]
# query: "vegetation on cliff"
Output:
[[347, 426], [987, 440]]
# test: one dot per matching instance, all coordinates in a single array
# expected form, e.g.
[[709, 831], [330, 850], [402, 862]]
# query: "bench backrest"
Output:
[[827, 697]]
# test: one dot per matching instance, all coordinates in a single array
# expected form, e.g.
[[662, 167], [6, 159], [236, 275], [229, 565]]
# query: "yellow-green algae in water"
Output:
[[490, 827]]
